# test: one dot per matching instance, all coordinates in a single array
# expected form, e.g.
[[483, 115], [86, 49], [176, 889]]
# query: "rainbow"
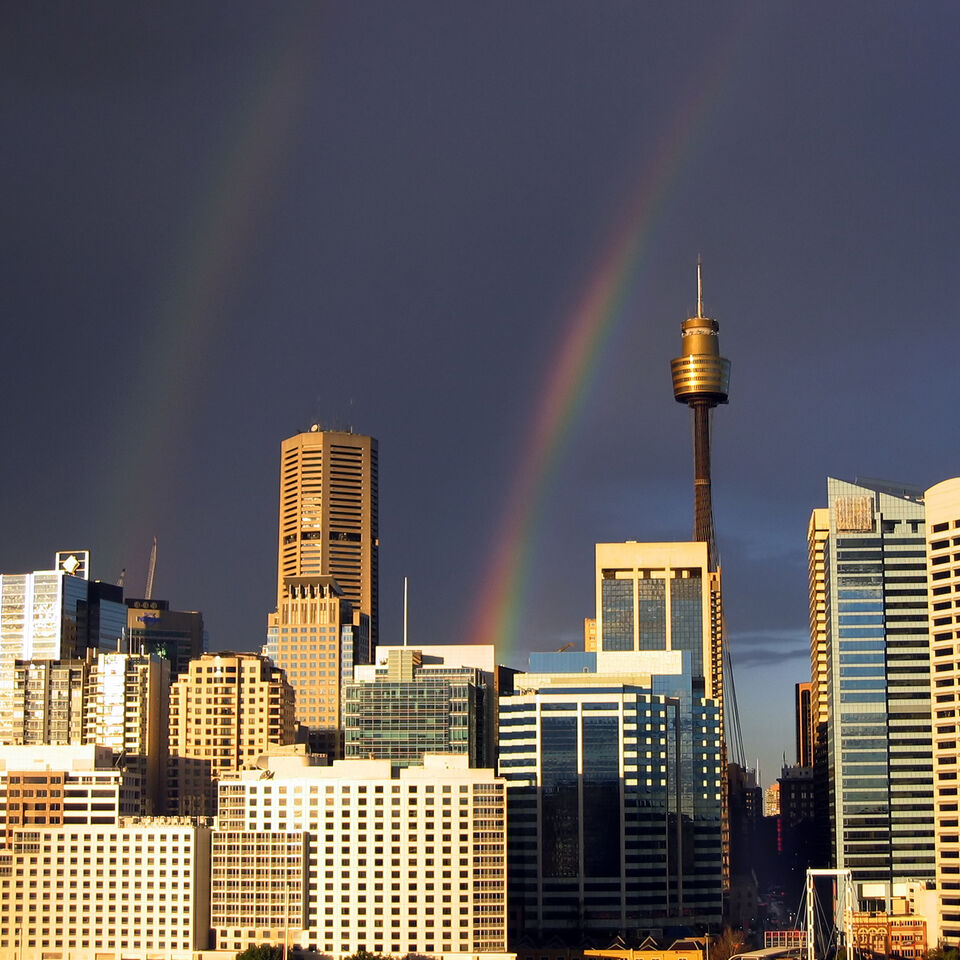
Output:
[[192, 310], [504, 587]]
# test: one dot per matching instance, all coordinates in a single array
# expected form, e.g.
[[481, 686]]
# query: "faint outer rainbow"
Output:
[[192, 314], [503, 589]]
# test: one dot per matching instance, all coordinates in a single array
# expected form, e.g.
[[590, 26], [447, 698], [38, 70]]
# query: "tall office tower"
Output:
[[225, 711], [39, 613], [126, 705], [327, 573], [818, 533], [175, 635], [614, 805], [316, 640], [82, 880], [871, 576], [943, 545], [803, 724], [361, 855], [655, 601], [613, 760], [329, 516], [437, 699]]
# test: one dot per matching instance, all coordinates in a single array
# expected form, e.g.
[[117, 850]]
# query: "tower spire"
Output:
[[699, 288]]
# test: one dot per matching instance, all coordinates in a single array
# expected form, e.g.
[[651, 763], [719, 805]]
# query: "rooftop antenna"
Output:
[[404, 611], [699, 288]]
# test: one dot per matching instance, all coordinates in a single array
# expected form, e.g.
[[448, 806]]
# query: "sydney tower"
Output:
[[701, 378]]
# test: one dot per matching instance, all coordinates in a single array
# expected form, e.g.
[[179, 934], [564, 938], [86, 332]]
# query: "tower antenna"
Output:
[[699, 288]]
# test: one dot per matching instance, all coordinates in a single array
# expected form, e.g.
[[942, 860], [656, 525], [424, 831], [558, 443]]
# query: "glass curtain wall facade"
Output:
[[614, 809], [440, 711], [879, 744]]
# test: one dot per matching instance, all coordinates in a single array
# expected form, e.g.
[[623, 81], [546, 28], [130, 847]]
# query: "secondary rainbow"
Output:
[[192, 314]]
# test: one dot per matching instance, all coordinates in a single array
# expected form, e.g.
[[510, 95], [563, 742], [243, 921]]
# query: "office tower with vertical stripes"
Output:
[[329, 515], [870, 653], [327, 573]]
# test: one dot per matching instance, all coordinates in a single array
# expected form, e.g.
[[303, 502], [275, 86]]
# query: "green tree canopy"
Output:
[[261, 951]]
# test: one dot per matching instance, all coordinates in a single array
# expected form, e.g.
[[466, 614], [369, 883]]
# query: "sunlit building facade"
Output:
[[328, 551], [116, 700], [225, 711], [362, 855], [436, 699], [47, 703], [870, 653], [942, 527], [81, 879], [329, 515], [54, 614], [126, 708]]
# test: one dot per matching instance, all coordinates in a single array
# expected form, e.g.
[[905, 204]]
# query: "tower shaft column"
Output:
[[702, 492]]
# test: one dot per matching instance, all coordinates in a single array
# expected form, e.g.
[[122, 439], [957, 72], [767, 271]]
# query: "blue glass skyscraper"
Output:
[[875, 748]]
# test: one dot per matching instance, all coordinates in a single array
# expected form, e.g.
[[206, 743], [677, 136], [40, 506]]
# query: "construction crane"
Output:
[[151, 570]]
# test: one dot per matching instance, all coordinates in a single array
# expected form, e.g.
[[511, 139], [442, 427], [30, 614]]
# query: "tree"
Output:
[[262, 951], [727, 943]]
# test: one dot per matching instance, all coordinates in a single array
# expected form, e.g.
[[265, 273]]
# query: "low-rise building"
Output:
[[79, 880]]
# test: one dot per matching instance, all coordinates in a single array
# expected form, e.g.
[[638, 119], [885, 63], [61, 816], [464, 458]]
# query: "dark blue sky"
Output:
[[223, 221]]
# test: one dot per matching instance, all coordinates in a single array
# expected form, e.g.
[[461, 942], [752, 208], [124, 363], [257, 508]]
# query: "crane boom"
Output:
[[151, 570]]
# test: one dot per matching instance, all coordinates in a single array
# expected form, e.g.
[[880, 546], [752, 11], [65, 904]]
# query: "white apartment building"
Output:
[[132, 891], [357, 854], [80, 881]]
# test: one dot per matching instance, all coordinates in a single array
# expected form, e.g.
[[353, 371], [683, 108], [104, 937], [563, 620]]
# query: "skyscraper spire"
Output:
[[701, 378]]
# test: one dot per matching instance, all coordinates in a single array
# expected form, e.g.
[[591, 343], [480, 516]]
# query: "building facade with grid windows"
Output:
[[942, 503], [328, 572], [227, 710], [82, 879], [332, 859], [416, 701], [870, 660]]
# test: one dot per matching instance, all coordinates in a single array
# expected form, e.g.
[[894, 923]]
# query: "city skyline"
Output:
[[490, 219]]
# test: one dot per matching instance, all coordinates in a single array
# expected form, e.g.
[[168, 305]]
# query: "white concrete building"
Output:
[[332, 859], [79, 881]]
